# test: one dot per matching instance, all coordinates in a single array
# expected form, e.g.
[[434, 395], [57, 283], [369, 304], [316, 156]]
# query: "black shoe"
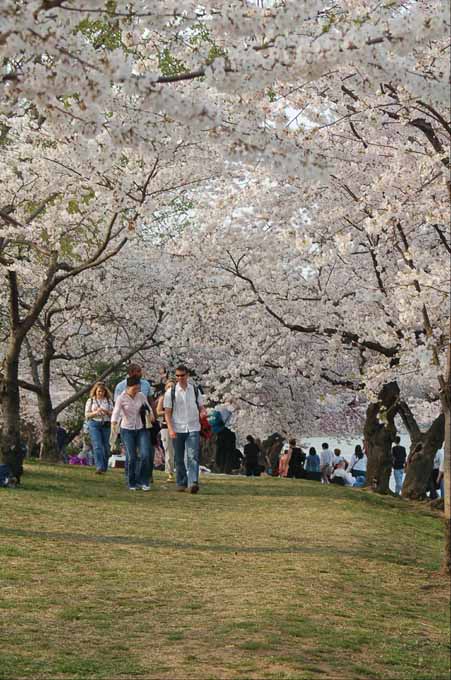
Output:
[[194, 488]]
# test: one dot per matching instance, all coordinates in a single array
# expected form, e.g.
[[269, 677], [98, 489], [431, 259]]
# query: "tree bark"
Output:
[[421, 459], [379, 432], [11, 453], [47, 413]]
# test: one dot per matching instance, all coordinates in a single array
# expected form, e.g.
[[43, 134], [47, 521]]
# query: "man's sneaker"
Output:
[[145, 487], [180, 488], [194, 488]]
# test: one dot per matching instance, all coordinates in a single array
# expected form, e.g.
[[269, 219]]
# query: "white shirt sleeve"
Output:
[[88, 407], [115, 416]]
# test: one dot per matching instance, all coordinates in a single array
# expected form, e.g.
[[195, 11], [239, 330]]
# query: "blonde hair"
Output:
[[102, 385], [168, 384]]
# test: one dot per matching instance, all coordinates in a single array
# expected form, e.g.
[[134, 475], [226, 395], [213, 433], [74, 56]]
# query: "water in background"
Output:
[[346, 446]]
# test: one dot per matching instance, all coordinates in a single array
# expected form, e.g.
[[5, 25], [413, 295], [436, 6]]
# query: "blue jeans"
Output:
[[186, 458], [138, 470], [399, 478], [100, 440]]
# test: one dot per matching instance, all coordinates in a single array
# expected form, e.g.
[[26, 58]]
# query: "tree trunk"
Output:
[[50, 451], [11, 453], [379, 432], [421, 459]]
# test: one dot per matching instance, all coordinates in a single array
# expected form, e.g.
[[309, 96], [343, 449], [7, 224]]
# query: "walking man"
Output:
[[134, 371], [183, 405]]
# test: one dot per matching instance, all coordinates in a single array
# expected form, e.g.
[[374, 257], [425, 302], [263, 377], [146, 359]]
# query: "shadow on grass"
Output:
[[294, 548]]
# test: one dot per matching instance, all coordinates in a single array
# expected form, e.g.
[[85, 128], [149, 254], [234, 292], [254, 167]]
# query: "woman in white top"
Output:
[[133, 411], [98, 414], [358, 462], [164, 433]]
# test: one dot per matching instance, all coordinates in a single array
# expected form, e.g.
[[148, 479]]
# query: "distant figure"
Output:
[[399, 456], [297, 460], [251, 454], [358, 463], [434, 484], [312, 464], [441, 477], [284, 462], [326, 457], [61, 442], [226, 451]]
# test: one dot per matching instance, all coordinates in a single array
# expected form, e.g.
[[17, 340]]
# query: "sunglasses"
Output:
[[180, 375]]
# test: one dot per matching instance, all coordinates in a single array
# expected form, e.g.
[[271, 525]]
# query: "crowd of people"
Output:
[[162, 427], [144, 421], [328, 466]]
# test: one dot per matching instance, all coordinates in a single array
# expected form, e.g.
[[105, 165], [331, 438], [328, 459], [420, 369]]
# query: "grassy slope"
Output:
[[258, 578]]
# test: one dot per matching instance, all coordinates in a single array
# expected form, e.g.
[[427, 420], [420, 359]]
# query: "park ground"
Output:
[[251, 578]]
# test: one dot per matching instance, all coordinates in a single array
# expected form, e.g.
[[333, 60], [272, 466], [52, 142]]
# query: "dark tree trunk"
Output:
[[50, 451], [421, 459], [11, 453], [379, 432]]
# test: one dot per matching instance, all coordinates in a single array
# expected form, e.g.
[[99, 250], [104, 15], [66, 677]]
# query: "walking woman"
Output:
[[98, 410], [133, 410], [164, 433]]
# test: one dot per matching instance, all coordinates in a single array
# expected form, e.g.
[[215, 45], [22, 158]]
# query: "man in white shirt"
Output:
[[325, 463], [435, 479], [182, 406]]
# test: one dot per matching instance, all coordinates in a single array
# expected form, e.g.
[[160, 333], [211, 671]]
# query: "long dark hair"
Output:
[[358, 451]]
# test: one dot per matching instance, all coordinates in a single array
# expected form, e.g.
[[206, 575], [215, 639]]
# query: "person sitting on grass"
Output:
[[358, 463], [340, 473], [338, 458]]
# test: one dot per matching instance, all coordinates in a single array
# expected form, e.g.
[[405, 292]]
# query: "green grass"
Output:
[[250, 579]]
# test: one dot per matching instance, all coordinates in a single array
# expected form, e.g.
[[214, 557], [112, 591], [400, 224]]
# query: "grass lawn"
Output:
[[251, 578]]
